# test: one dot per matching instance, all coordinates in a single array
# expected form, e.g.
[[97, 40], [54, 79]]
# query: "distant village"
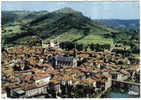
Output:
[[51, 72]]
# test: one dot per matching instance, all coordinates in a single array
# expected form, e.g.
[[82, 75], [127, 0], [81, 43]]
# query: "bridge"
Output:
[[127, 82]]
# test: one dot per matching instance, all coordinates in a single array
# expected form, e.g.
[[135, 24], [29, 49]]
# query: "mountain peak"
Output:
[[67, 10]]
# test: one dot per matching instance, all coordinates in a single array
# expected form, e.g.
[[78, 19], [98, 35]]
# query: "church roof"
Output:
[[62, 58]]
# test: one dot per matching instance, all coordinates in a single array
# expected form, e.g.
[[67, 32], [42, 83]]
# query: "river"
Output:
[[118, 93]]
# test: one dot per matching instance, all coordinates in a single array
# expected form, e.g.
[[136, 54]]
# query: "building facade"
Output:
[[60, 61]]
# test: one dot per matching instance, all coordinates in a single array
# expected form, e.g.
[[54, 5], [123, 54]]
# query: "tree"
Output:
[[67, 45], [92, 46], [97, 47], [79, 47], [106, 46], [86, 47]]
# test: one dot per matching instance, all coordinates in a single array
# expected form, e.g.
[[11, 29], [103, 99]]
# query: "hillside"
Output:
[[69, 25], [122, 24], [64, 25], [14, 25], [9, 17]]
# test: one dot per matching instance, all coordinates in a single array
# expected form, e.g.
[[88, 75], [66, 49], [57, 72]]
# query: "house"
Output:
[[43, 81], [45, 44], [52, 44], [31, 88], [54, 85], [81, 76], [99, 64], [86, 71], [114, 74], [26, 90], [67, 80], [18, 92], [123, 75], [73, 73], [93, 83], [89, 82], [41, 78], [9, 90], [4, 95], [108, 82]]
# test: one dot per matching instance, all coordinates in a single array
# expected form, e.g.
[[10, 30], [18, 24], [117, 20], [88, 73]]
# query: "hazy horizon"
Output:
[[94, 10]]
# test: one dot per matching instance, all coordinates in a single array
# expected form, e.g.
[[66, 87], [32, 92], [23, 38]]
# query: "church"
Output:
[[60, 61]]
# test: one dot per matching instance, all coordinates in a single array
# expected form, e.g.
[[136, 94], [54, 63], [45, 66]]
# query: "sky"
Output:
[[94, 10]]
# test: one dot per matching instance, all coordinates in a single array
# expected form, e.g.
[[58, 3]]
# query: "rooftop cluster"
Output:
[[30, 71]]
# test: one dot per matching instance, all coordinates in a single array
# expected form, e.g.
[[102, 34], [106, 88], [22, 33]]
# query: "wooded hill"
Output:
[[28, 28]]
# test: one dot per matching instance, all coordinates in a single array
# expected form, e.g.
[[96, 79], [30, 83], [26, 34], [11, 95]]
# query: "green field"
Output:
[[12, 29], [93, 38]]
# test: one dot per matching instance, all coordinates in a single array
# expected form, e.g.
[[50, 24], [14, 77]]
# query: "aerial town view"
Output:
[[70, 49]]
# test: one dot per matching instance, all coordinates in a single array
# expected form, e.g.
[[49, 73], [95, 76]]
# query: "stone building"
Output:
[[27, 90], [59, 61]]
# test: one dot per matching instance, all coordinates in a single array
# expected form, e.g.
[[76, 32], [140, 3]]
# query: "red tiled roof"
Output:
[[67, 77], [55, 72], [27, 86], [40, 75], [54, 81], [66, 67], [87, 81]]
